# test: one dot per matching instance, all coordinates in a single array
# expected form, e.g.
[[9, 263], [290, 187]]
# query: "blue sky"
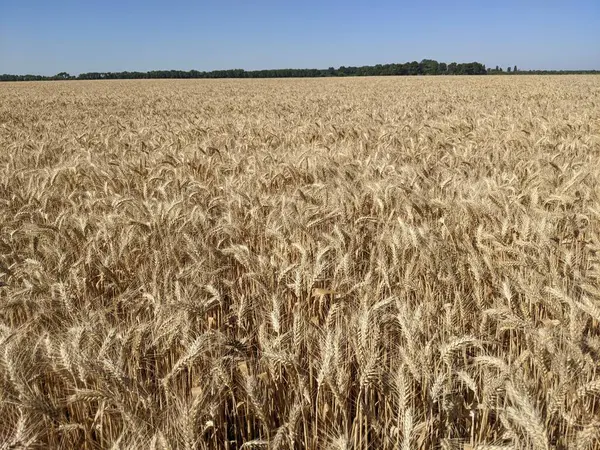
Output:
[[47, 37]]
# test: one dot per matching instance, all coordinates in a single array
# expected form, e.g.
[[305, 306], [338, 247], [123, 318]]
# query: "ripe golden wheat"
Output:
[[374, 263]]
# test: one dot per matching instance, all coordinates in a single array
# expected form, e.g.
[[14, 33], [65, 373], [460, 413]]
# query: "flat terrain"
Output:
[[355, 263]]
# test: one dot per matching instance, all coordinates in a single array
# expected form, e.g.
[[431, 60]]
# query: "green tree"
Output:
[[429, 67], [62, 76]]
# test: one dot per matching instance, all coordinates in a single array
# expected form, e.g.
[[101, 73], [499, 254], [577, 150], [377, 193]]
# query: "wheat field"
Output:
[[373, 263]]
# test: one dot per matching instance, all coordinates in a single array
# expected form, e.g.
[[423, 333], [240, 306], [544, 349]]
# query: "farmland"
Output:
[[335, 263]]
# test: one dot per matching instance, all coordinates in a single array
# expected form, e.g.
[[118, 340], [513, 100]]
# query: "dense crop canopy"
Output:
[[373, 263]]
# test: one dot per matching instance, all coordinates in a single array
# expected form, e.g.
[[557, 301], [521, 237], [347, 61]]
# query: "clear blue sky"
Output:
[[47, 37]]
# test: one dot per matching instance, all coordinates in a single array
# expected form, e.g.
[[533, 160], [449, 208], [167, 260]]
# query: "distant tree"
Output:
[[426, 66], [61, 76], [429, 67], [412, 68]]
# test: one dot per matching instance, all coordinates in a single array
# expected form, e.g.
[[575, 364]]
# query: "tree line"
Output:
[[425, 67]]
